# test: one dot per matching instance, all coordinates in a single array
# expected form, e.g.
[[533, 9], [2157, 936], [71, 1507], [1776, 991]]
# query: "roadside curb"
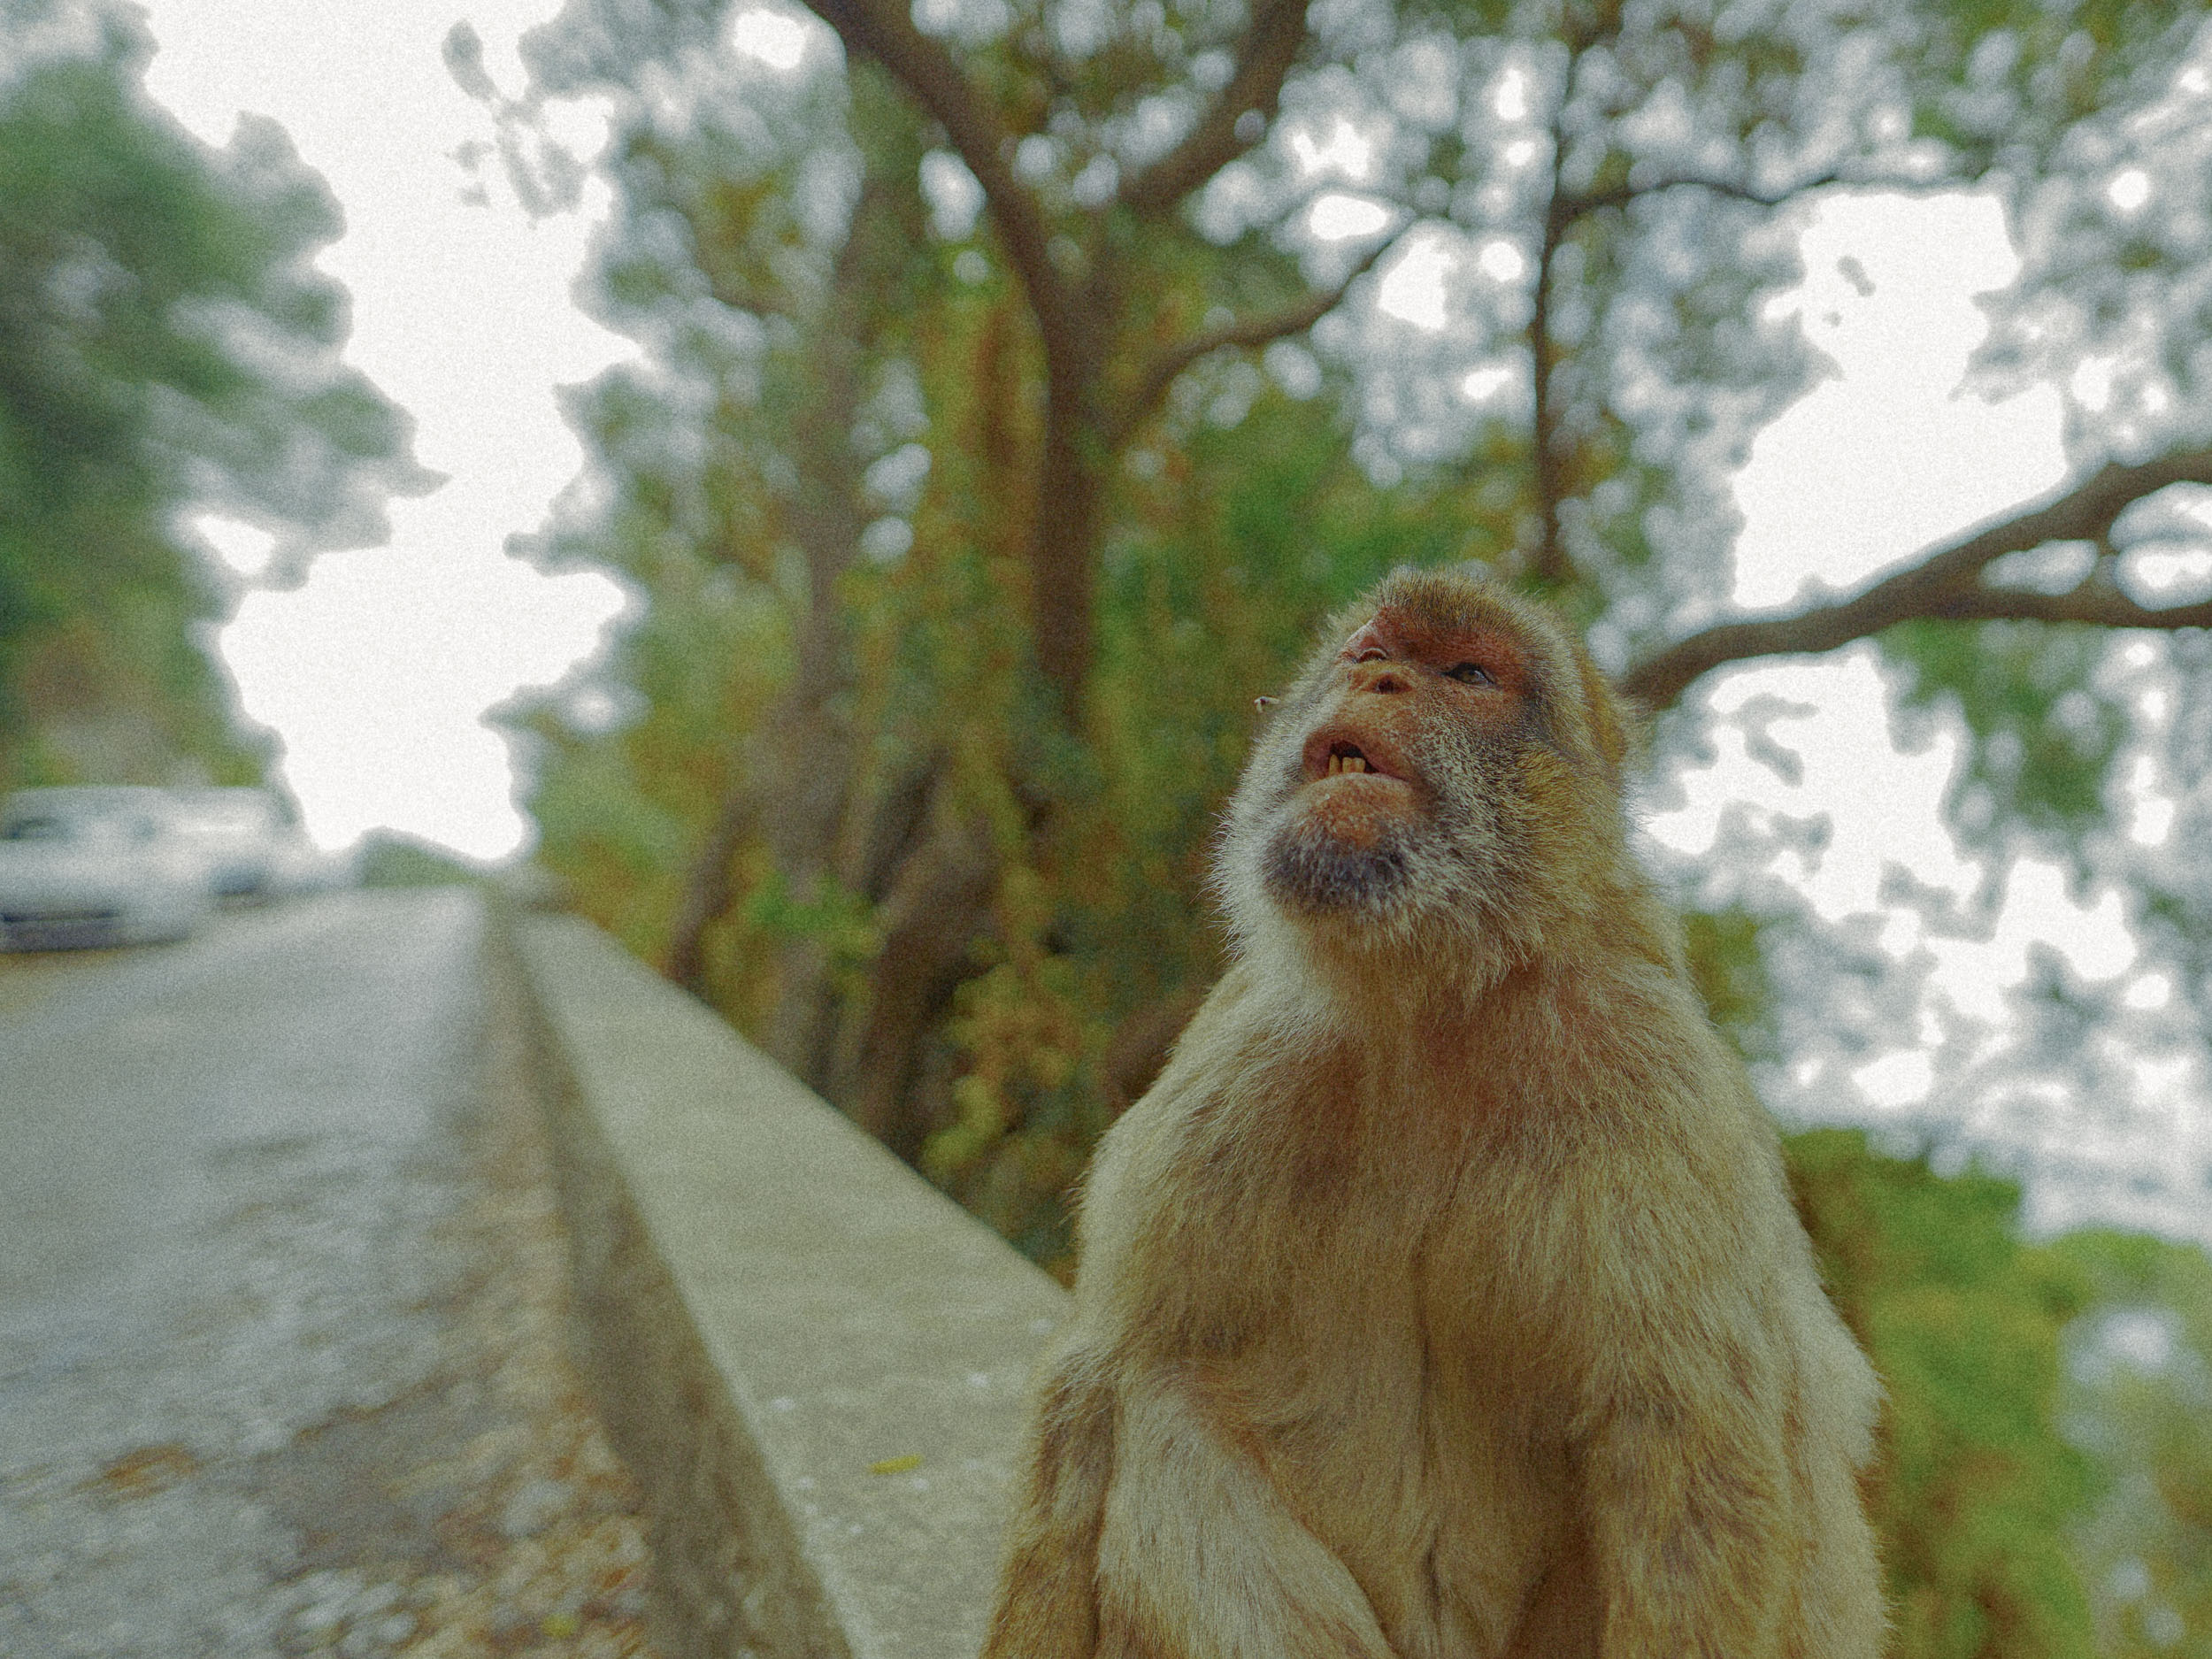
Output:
[[815, 1364]]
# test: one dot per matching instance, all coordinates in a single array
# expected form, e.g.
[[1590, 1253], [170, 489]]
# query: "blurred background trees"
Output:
[[166, 346], [1020, 383]]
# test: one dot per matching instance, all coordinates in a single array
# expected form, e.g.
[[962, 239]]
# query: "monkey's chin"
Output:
[[1311, 869]]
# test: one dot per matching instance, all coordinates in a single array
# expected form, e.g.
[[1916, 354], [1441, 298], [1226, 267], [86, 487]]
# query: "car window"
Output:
[[47, 828]]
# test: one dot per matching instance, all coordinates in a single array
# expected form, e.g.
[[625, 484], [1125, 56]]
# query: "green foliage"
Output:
[[1963, 1322], [391, 860], [2003, 74], [164, 344], [2043, 739], [621, 809], [1728, 965], [2138, 1399]]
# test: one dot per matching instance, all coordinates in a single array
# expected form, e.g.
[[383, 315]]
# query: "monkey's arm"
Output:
[[1152, 1526], [1200, 1557], [1142, 1532], [1685, 1469], [1048, 1593], [1690, 1531]]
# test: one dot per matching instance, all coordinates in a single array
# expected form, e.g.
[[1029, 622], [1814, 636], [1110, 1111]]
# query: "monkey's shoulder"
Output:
[[1627, 1047], [1245, 1037]]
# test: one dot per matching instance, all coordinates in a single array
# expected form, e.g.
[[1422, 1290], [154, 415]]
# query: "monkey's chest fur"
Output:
[[1395, 1374]]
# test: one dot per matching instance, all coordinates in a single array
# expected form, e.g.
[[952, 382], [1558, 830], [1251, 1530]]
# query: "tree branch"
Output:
[[1576, 205], [883, 30], [1248, 333], [1547, 561], [1271, 45], [2104, 607], [1946, 585]]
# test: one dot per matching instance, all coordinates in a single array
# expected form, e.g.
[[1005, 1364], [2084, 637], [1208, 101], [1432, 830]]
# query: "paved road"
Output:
[[279, 1306]]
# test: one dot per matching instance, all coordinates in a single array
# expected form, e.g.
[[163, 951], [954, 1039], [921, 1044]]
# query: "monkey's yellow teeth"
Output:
[[1339, 765]]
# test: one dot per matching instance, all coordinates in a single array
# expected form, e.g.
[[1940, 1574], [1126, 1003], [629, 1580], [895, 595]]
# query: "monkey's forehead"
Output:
[[1450, 603]]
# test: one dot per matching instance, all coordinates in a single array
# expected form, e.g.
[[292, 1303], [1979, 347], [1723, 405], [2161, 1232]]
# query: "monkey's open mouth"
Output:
[[1343, 750], [1345, 757]]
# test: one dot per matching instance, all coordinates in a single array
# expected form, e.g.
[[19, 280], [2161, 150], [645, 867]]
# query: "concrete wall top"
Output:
[[854, 1317]]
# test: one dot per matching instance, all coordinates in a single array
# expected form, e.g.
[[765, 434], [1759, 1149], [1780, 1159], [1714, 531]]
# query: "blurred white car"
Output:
[[236, 831], [96, 867]]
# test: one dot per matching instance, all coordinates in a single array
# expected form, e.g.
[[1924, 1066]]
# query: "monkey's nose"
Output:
[[1384, 676]]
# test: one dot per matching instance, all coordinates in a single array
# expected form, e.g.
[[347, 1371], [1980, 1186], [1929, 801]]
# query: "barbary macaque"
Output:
[[1443, 1299]]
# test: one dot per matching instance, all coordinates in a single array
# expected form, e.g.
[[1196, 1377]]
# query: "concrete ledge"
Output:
[[772, 1304]]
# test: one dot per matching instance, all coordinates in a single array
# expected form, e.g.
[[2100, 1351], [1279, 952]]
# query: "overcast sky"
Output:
[[375, 672]]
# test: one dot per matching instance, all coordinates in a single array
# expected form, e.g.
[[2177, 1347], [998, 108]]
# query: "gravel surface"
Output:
[[282, 1304]]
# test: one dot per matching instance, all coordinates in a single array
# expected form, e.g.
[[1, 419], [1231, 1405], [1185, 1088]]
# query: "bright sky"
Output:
[[1874, 464], [1871, 466], [376, 672]]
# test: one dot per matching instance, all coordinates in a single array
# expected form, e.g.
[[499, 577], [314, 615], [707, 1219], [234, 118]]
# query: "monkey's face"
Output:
[[1381, 794]]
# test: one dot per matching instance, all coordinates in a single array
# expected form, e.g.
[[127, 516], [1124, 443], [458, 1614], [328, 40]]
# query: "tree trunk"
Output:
[[938, 904], [878, 836], [1548, 562], [1071, 489], [707, 888], [794, 775]]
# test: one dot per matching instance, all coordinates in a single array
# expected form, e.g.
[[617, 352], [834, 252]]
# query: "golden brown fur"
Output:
[[1443, 1298]]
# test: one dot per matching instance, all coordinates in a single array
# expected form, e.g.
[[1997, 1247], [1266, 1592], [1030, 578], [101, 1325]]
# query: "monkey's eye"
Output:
[[1470, 674]]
